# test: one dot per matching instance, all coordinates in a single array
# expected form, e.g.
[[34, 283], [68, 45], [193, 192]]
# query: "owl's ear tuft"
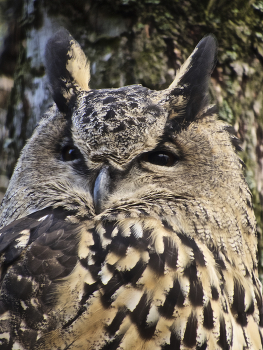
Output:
[[67, 68], [192, 79]]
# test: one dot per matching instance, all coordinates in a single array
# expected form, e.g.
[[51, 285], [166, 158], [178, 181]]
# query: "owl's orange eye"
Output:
[[69, 153], [161, 158]]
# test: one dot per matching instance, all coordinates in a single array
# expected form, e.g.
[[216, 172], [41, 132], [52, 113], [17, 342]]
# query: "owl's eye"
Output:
[[161, 158], [69, 153]]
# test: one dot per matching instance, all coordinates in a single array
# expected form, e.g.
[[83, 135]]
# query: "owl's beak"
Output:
[[101, 189]]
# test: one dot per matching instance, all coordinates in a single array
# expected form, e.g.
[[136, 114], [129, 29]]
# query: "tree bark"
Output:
[[135, 42]]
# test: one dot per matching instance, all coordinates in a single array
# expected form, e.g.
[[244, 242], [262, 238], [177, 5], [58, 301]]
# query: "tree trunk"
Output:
[[131, 42]]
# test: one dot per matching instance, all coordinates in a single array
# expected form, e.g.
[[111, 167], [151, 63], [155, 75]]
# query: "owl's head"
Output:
[[131, 151]]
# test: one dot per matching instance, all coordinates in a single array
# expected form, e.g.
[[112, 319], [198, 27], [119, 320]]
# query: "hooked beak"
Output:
[[101, 189]]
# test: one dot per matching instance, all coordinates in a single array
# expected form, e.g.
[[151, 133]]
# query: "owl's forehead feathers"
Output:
[[128, 118]]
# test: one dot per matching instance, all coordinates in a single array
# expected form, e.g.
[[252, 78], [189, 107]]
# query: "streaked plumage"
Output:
[[127, 223]]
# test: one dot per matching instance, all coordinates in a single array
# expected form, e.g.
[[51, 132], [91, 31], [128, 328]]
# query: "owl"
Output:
[[128, 223]]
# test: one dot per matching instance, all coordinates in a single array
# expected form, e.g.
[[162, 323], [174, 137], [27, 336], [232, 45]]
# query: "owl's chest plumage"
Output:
[[131, 283]]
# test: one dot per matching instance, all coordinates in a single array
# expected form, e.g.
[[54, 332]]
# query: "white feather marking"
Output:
[[158, 244], [43, 218], [185, 285], [24, 306], [23, 238], [252, 331], [128, 296], [114, 232], [91, 260], [104, 241], [112, 258], [89, 279], [185, 257], [86, 241], [5, 316], [145, 256], [17, 346], [105, 274], [5, 336], [130, 260], [34, 302], [137, 229], [153, 315]]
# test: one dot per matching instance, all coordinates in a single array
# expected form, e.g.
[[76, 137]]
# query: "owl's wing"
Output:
[[35, 253]]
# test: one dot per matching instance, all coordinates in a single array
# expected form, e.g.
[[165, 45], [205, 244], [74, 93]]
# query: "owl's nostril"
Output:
[[101, 188]]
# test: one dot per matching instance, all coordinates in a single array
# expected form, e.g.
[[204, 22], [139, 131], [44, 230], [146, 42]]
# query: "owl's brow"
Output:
[[168, 135]]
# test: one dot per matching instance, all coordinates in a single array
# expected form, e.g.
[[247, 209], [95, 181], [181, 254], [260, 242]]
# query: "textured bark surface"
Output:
[[131, 42]]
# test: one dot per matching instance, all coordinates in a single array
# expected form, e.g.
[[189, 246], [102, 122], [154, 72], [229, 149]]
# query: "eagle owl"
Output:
[[127, 223]]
